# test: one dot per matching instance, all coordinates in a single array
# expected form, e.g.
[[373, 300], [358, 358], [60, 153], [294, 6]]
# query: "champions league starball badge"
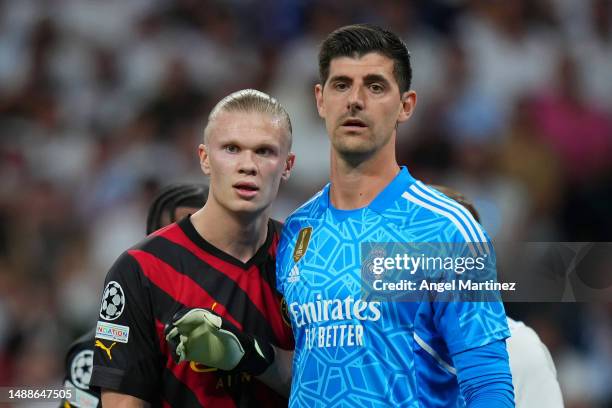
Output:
[[113, 301], [80, 369]]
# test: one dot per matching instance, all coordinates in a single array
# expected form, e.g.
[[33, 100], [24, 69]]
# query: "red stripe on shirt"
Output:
[[180, 287], [250, 281], [273, 245]]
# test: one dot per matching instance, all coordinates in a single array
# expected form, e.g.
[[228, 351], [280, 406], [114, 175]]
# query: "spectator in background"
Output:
[[524, 157], [510, 49], [591, 47], [577, 130]]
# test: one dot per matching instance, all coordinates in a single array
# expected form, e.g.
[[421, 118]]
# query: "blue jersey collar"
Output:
[[381, 202]]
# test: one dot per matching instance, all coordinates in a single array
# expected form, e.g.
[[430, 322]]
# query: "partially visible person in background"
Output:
[[534, 375], [172, 204]]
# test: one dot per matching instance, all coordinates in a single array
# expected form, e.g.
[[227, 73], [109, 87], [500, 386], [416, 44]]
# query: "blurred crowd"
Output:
[[104, 102]]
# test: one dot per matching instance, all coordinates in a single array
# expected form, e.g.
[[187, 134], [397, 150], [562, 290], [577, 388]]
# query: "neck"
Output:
[[355, 185], [236, 235]]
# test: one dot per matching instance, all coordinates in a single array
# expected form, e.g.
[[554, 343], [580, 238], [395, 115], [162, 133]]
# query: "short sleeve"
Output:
[[126, 351]]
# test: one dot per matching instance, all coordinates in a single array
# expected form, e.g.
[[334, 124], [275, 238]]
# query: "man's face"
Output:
[[362, 104], [246, 157]]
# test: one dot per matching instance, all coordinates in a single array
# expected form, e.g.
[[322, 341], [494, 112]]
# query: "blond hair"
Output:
[[250, 101]]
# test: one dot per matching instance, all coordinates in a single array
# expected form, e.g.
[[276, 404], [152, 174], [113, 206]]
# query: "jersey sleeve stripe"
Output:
[[459, 210], [445, 213], [473, 232], [454, 208], [434, 354]]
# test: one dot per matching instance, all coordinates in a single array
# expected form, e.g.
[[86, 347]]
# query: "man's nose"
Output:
[[355, 100], [247, 163]]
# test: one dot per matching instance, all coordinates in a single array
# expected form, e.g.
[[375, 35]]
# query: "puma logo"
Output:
[[107, 349]]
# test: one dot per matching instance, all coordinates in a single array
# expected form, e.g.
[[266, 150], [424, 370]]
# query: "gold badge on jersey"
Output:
[[302, 243]]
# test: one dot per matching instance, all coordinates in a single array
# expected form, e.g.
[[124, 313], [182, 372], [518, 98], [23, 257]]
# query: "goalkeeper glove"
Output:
[[202, 336]]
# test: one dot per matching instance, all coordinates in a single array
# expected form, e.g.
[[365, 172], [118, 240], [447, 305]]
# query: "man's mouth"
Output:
[[354, 122], [246, 189]]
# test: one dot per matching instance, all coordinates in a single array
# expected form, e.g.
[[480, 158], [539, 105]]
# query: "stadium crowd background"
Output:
[[101, 103]]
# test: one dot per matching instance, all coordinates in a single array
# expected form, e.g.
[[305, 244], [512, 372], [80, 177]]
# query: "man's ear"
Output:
[[288, 166], [204, 159], [409, 100], [319, 98]]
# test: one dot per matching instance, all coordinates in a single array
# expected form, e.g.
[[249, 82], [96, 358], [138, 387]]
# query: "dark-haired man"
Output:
[[351, 350]]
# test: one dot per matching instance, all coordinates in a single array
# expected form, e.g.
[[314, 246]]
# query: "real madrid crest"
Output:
[[302, 243]]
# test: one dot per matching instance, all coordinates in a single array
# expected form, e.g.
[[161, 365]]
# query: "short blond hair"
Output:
[[250, 101]]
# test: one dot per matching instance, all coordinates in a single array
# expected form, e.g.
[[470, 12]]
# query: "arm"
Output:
[[125, 351], [475, 333], [80, 355], [533, 372], [484, 376], [278, 375], [115, 399]]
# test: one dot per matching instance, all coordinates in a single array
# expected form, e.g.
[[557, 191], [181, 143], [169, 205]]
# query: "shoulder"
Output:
[[276, 226], [79, 361], [428, 204], [85, 342], [165, 243], [526, 350], [126, 263], [310, 209], [170, 233], [534, 375]]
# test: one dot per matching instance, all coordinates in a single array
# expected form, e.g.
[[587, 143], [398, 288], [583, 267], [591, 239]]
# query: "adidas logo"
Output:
[[294, 274]]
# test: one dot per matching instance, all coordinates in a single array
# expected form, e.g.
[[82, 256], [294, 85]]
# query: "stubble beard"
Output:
[[357, 153]]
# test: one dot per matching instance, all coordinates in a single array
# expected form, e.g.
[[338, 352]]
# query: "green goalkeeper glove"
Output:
[[202, 336]]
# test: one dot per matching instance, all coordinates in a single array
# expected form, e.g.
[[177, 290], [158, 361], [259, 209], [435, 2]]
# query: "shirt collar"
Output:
[[381, 202]]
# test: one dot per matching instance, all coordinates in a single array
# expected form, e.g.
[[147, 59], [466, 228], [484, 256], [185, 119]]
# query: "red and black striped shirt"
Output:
[[172, 269]]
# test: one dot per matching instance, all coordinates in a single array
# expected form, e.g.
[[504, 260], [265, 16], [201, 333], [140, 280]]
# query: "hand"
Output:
[[202, 336]]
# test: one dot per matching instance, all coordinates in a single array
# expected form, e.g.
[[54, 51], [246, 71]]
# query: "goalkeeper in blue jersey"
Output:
[[372, 353], [351, 350]]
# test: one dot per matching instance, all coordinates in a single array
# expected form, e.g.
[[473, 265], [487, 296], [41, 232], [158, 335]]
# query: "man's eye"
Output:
[[264, 151], [231, 148], [340, 86], [377, 88]]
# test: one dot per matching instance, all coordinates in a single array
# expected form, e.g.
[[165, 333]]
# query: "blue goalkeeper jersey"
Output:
[[352, 351]]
